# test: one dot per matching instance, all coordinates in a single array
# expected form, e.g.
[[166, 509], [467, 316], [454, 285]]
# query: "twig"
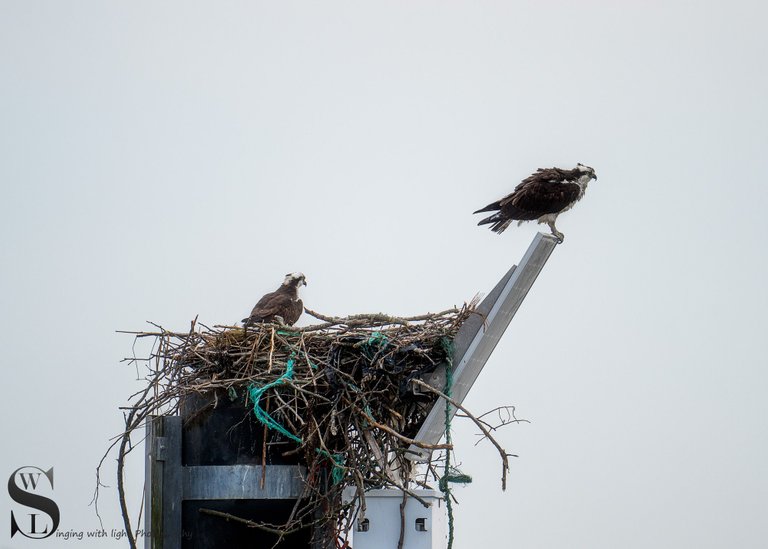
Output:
[[502, 452], [402, 521], [247, 522]]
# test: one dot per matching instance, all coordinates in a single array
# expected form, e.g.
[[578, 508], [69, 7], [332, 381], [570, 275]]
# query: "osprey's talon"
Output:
[[557, 234]]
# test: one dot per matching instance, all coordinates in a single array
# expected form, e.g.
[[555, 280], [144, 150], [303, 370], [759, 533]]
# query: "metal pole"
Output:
[[478, 336]]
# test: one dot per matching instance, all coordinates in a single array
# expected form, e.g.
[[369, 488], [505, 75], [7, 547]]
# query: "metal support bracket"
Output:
[[478, 336], [169, 483]]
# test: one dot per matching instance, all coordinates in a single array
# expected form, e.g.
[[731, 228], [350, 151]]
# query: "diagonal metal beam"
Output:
[[476, 339]]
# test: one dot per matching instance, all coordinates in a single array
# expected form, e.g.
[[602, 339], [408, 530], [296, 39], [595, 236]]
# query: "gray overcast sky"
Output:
[[164, 160]]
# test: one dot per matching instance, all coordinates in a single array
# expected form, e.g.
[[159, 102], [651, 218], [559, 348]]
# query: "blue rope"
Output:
[[255, 393]]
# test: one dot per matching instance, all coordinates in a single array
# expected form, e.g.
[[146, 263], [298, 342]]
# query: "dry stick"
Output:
[[376, 317], [121, 489], [256, 342], [502, 452], [264, 432], [360, 493], [287, 406], [131, 423], [271, 350], [374, 446], [402, 521], [404, 438], [411, 493], [304, 493], [264, 453], [247, 522], [504, 422]]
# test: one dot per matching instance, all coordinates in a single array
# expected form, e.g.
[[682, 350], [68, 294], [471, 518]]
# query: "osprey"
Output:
[[283, 305], [542, 196]]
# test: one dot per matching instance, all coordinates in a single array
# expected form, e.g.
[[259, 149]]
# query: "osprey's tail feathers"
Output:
[[501, 225], [489, 208], [252, 320], [499, 222], [491, 219]]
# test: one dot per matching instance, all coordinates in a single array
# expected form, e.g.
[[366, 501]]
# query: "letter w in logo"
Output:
[[29, 479]]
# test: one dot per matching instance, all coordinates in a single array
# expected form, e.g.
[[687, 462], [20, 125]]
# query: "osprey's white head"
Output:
[[586, 170], [295, 280]]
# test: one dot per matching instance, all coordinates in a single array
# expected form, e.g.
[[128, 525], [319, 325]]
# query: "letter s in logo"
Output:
[[24, 486]]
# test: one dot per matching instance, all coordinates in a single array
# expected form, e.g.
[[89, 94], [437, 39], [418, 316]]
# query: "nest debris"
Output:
[[339, 395]]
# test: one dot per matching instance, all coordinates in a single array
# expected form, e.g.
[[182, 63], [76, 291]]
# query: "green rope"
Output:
[[337, 473], [255, 393], [369, 412], [367, 407], [450, 473], [448, 347], [295, 349], [377, 338], [376, 343], [455, 476]]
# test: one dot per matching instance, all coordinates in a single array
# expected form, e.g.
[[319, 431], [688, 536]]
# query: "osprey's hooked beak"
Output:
[[304, 282]]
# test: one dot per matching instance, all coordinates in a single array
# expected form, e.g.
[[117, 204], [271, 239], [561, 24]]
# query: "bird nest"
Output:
[[345, 398]]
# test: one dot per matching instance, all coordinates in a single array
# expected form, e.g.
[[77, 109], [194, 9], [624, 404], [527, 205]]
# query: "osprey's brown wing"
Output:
[[293, 312], [271, 305], [539, 197], [542, 175], [547, 191]]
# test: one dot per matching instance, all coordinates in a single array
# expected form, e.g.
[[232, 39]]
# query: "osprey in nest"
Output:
[[283, 305], [541, 196]]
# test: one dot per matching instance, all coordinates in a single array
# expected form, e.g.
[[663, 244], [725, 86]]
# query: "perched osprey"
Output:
[[283, 305], [542, 196]]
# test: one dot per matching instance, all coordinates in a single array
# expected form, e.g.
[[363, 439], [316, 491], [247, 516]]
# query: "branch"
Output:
[[247, 522], [502, 452]]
